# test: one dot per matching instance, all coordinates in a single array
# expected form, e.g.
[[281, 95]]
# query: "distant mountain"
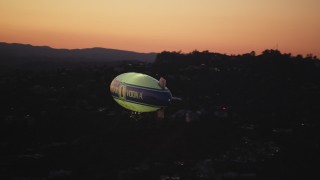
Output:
[[26, 51]]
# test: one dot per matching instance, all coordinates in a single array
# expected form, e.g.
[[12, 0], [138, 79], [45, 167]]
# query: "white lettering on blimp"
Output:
[[134, 94], [123, 92]]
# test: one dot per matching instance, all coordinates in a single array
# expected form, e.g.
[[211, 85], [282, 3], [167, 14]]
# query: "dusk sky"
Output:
[[224, 26]]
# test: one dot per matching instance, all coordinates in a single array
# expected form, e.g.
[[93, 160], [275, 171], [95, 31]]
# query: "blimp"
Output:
[[140, 93]]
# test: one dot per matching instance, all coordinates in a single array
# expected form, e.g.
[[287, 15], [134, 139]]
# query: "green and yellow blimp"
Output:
[[140, 93]]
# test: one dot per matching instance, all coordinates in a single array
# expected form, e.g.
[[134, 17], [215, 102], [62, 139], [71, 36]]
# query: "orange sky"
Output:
[[225, 26]]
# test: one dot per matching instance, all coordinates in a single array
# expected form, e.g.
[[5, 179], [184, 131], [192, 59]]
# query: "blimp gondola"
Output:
[[140, 93]]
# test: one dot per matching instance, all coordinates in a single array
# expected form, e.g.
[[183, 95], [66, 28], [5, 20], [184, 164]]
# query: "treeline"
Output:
[[205, 57]]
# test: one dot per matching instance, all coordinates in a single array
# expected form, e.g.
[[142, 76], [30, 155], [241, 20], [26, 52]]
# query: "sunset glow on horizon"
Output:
[[231, 27]]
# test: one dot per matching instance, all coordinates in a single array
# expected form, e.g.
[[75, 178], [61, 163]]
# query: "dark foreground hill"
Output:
[[242, 117]]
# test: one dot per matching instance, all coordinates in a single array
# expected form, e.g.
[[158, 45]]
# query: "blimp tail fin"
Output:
[[176, 98], [162, 82]]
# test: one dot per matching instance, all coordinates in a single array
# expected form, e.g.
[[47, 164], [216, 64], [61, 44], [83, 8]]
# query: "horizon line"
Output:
[[180, 51]]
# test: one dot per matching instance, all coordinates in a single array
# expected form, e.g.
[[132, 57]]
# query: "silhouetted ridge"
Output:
[[96, 54]]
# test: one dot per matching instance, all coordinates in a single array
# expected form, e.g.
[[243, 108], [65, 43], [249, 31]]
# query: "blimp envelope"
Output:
[[139, 92]]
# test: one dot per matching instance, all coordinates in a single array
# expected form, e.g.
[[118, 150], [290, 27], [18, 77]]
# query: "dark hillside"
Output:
[[242, 117]]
